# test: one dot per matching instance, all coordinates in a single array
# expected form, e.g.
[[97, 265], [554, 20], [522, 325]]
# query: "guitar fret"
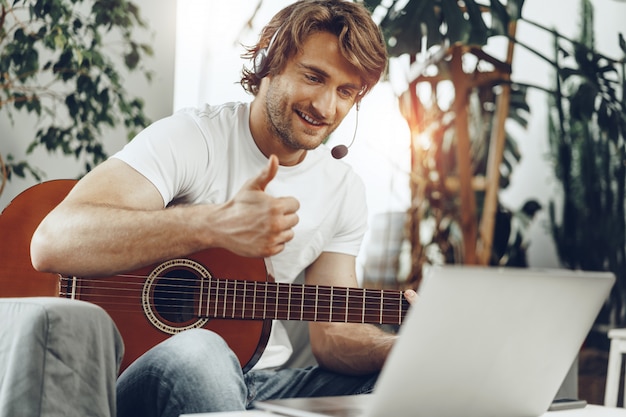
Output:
[[347, 302], [200, 303], [211, 298], [208, 297], [289, 303], [363, 307], [400, 308], [283, 293], [330, 315], [371, 304], [338, 304], [296, 294], [265, 302], [232, 316], [302, 304], [254, 301], [275, 286], [217, 296], [224, 306], [309, 303], [316, 300], [324, 303], [243, 301]]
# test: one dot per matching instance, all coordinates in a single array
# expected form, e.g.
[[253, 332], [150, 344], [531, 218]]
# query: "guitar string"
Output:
[[281, 310], [377, 295], [280, 287], [387, 317], [322, 301]]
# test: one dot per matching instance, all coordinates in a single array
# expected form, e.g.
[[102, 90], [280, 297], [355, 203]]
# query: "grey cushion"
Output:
[[58, 357]]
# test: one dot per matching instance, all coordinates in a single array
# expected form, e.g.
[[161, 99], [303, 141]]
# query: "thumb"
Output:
[[265, 176]]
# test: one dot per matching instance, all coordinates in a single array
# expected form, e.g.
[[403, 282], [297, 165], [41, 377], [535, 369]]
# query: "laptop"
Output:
[[479, 342]]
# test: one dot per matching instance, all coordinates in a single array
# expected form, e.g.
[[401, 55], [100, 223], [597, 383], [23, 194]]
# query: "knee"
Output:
[[186, 371], [196, 342], [196, 350], [193, 355]]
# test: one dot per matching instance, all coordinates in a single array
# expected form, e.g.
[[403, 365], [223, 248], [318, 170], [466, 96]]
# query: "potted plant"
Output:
[[587, 147], [58, 63], [462, 155]]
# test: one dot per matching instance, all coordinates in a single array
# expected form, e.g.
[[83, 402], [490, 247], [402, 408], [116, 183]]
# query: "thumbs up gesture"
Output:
[[254, 223]]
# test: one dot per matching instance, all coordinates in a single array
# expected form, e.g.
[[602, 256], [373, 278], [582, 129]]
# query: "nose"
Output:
[[325, 103]]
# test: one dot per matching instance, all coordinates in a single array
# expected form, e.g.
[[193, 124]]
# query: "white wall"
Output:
[[160, 16]]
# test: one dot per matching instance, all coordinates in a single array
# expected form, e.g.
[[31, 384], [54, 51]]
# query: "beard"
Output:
[[279, 117]]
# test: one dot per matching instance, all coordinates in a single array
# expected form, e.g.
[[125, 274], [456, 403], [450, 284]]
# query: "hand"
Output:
[[256, 223], [411, 296]]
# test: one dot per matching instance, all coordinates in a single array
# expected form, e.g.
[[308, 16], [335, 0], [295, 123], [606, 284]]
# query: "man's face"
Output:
[[308, 100]]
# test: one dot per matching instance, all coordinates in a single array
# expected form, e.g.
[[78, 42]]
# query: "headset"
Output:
[[261, 62], [261, 67]]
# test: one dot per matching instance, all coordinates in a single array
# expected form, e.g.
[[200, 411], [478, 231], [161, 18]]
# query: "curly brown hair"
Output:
[[360, 40]]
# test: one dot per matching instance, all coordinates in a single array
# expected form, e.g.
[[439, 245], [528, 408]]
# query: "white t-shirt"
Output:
[[205, 155]]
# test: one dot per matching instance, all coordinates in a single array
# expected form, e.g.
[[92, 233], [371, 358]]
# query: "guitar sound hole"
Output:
[[174, 296]]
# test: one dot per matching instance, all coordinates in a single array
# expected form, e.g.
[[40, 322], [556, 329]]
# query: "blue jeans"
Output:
[[195, 371]]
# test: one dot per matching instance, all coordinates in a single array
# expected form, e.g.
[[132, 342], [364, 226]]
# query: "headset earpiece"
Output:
[[261, 61]]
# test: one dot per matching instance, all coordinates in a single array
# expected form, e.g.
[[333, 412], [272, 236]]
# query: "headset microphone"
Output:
[[340, 151]]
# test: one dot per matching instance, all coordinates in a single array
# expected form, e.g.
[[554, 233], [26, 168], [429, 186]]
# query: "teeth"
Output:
[[309, 119]]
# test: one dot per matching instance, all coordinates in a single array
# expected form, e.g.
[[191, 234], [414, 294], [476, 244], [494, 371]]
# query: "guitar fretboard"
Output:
[[238, 299]]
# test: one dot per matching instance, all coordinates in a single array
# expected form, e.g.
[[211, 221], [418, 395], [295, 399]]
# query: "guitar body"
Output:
[[153, 303], [18, 222], [148, 305]]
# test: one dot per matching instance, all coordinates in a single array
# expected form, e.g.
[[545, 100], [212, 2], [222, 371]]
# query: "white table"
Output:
[[588, 411]]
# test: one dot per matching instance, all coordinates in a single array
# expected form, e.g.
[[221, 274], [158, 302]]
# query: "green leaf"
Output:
[[458, 29], [72, 105], [371, 5], [131, 59], [499, 18], [479, 32], [514, 8], [59, 38], [405, 28]]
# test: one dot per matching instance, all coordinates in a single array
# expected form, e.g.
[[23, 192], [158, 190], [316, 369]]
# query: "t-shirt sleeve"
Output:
[[169, 153]]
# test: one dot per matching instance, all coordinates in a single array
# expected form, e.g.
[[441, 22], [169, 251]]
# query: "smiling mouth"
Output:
[[309, 119]]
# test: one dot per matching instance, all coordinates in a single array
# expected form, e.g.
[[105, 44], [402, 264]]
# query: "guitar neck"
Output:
[[237, 299]]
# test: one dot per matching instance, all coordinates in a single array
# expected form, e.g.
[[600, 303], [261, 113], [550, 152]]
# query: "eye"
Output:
[[313, 78], [347, 93]]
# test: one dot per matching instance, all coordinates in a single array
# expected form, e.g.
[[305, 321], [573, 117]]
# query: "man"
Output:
[[252, 178]]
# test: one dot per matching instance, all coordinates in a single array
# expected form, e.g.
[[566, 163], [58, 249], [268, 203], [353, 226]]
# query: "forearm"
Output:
[[89, 239], [350, 348]]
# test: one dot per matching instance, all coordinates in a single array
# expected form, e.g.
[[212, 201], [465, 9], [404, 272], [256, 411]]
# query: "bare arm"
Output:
[[350, 348], [113, 220]]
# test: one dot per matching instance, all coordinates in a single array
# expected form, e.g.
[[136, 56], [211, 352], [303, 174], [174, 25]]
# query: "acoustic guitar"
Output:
[[212, 289]]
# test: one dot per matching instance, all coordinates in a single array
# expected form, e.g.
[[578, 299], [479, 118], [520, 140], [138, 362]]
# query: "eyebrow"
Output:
[[324, 74]]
